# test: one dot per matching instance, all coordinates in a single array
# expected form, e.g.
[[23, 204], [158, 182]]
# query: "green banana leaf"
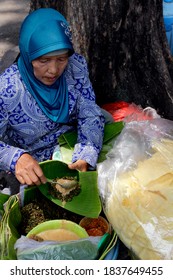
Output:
[[8, 228], [111, 130], [87, 202], [3, 199], [10, 223], [68, 140]]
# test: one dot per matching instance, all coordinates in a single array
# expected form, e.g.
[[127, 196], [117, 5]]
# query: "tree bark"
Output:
[[126, 47]]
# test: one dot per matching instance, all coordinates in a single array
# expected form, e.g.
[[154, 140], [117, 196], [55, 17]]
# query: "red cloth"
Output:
[[123, 111]]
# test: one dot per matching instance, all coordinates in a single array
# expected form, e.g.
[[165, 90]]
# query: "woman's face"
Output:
[[47, 69]]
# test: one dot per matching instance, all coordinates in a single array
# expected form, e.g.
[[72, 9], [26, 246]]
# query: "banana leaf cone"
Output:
[[87, 202]]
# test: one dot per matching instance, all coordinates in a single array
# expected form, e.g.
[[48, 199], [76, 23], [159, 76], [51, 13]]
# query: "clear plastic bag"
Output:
[[82, 249], [136, 188], [127, 112]]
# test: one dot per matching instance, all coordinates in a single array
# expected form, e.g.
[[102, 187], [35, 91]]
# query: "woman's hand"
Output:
[[28, 171], [80, 165]]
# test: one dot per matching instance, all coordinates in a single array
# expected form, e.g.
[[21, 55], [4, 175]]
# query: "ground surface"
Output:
[[12, 13]]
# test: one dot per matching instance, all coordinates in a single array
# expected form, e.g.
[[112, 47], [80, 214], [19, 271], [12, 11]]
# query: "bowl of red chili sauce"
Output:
[[95, 226]]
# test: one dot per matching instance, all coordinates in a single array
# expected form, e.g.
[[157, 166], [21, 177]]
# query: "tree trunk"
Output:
[[126, 47]]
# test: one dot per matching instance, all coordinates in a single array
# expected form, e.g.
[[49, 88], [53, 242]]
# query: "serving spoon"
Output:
[[64, 186]]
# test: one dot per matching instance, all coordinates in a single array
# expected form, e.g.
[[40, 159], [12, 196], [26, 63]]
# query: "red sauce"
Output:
[[96, 227]]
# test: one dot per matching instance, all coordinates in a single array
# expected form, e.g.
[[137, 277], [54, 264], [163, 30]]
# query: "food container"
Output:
[[58, 230], [95, 226]]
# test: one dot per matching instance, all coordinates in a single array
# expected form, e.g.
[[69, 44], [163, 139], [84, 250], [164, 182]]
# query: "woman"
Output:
[[46, 93]]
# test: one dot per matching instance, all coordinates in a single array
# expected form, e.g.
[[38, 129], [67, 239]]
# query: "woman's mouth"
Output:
[[51, 78]]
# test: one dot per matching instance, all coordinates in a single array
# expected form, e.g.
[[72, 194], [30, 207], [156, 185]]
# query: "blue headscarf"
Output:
[[43, 31]]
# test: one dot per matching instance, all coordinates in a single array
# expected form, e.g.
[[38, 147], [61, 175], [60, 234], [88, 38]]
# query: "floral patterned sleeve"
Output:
[[8, 153], [90, 120]]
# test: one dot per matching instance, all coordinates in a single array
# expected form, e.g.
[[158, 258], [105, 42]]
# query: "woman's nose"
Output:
[[53, 68]]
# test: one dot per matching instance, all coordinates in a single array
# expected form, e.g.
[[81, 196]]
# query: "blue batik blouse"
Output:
[[24, 128]]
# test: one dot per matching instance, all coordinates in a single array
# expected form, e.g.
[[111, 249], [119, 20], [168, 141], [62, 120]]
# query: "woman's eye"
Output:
[[62, 59], [43, 60]]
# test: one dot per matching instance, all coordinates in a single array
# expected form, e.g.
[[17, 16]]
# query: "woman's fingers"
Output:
[[28, 171], [80, 165]]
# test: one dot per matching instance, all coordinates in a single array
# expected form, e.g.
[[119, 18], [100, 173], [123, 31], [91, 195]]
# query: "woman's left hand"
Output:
[[80, 165]]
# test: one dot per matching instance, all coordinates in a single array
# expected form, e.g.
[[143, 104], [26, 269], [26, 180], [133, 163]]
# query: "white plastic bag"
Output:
[[136, 188]]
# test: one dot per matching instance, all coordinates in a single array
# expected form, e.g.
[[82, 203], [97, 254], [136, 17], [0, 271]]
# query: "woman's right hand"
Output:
[[28, 171]]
